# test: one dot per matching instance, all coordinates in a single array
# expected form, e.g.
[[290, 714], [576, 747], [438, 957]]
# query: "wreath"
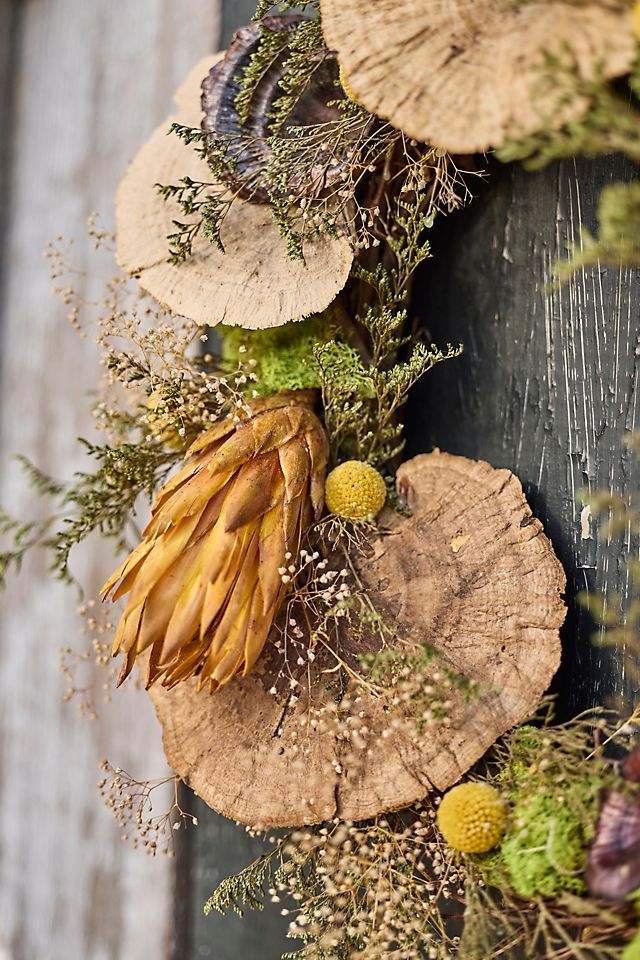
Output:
[[335, 641]]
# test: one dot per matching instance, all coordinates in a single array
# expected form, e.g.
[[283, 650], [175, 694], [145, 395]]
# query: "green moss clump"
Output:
[[545, 850], [283, 356], [632, 950]]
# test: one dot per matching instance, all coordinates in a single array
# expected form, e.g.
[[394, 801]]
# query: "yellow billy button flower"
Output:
[[355, 490], [472, 817], [636, 19], [345, 86]]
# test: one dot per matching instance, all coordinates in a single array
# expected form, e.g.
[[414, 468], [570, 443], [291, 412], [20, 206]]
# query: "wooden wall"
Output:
[[548, 382], [83, 82]]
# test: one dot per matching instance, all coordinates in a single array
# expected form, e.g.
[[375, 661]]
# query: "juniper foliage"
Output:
[[103, 500]]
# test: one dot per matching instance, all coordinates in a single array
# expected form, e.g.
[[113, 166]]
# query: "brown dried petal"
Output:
[[613, 867]]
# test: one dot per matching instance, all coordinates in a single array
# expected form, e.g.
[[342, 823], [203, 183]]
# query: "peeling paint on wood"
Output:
[[547, 385]]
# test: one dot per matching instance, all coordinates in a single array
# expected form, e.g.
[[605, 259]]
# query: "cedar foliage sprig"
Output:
[[617, 615], [268, 6], [103, 500], [273, 44], [247, 888], [205, 202], [362, 396], [610, 125]]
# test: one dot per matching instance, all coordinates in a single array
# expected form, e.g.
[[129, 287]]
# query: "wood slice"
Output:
[[472, 574], [254, 283], [467, 75]]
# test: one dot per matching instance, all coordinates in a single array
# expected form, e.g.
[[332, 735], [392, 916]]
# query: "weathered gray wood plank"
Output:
[[88, 81], [548, 382]]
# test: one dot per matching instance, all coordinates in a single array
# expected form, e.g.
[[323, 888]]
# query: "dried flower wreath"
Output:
[[316, 622]]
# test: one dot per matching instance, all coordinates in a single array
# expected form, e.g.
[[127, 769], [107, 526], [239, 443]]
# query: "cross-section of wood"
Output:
[[471, 574]]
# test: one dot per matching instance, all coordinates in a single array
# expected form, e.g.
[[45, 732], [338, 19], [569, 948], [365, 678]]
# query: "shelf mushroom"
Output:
[[471, 574], [254, 283], [468, 75]]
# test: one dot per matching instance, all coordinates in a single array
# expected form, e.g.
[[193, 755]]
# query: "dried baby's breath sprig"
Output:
[[385, 887], [147, 353], [417, 683], [392, 887], [158, 393], [318, 602], [80, 667], [131, 802]]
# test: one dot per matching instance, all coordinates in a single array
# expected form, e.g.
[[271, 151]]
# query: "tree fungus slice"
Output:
[[254, 284], [472, 574], [467, 75], [247, 138]]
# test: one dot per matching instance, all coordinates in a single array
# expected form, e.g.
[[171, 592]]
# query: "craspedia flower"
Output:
[[344, 83], [636, 19], [355, 490], [205, 584], [472, 817]]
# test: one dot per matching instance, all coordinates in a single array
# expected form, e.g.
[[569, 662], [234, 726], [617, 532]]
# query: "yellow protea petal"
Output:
[[213, 435], [185, 618], [252, 491], [177, 481], [126, 635], [190, 659], [160, 560], [273, 547], [189, 500], [163, 598], [132, 563], [221, 665], [127, 666], [243, 589], [257, 631], [294, 464], [220, 589]]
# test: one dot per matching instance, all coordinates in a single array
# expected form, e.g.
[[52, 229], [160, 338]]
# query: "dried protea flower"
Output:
[[355, 490], [206, 582], [246, 135], [472, 817]]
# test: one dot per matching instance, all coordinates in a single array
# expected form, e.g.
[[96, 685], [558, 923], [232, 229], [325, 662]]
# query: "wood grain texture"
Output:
[[253, 283], [473, 75], [547, 385], [471, 575], [88, 82]]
